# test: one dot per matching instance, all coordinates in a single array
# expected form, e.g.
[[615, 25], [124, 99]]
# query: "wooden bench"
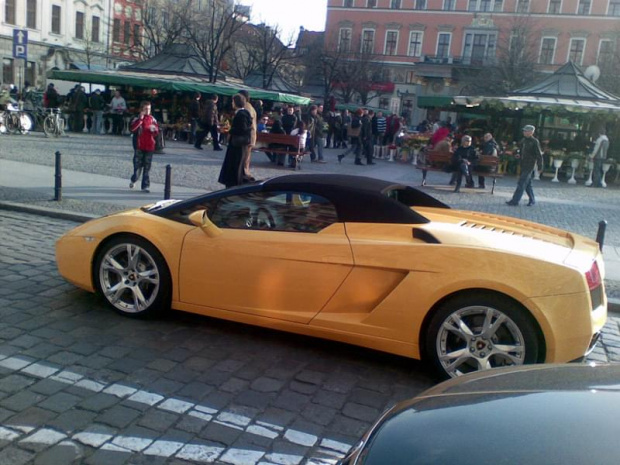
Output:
[[487, 165], [287, 144]]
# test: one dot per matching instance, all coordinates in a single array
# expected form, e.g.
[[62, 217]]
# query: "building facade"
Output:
[[425, 45], [61, 34]]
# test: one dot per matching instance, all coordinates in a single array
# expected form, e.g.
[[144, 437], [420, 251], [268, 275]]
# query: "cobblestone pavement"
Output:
[[81, 384]]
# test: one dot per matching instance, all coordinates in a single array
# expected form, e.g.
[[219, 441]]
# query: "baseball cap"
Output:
[[528, 127]]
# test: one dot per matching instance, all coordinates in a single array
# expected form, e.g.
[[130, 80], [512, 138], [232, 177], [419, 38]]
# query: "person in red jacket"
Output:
[[144, 129]]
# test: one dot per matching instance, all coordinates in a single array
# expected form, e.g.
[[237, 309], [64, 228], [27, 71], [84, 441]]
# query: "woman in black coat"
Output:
[[232, 168]]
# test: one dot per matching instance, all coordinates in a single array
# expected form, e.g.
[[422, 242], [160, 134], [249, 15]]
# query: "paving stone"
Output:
[[14, 456], [60, 402], [15, 383], [99, 402], [118, 416], [290, 400], [65, 453], [22, 400], [158, 420], [73, 420], [220, 434]]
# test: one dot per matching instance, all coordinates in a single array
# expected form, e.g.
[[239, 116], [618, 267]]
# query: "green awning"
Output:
[[171, 83], [435, 101]]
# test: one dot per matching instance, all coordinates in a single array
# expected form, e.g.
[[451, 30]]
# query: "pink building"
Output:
[[423, 43]]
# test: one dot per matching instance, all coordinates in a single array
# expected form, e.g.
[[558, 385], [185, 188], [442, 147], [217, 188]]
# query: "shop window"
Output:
[[410, 77], [56, 15], [8, 71]]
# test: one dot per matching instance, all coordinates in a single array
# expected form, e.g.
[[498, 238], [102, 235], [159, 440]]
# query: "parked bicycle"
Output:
[[54, 123]]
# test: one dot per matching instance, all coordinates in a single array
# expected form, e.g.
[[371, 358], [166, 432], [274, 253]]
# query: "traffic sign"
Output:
[[20, 43]]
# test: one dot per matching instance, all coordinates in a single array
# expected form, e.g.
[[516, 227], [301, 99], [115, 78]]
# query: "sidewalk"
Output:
[[86, 196]]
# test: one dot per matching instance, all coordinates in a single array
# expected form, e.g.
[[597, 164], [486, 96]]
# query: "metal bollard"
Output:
[[167, 187], [58, 178], [600, 234]]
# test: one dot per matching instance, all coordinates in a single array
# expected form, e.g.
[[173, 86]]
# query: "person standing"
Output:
[[145, 130], [311, 120], [354, 132], [118, 107], [247, 158], [208, 124], [194, 116], [598, 156], [366, 136], [232, 172], [79, 102], [489, 148], [96, 105], [530, 153], [319, 134], [51, 99]]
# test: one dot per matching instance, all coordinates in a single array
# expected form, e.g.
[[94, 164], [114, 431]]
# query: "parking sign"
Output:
[[20, 43]]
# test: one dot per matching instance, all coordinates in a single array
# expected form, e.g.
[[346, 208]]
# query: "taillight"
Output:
[[593, 277]]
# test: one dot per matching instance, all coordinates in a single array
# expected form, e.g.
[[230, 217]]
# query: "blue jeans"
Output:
[[97, 122], [524, 184], [142, 166], [319, 143]]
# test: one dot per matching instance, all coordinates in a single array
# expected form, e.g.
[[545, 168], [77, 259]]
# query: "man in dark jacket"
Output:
[[289, 120], [531, 154], [96, 105], [366, 136], [490, 148], [462, 158], [194, 117], [208, 124]]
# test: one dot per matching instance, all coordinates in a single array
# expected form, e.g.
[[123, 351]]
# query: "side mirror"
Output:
[[201, 219]]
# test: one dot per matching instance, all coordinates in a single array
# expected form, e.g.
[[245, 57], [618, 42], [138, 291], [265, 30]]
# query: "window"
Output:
[[577, 46], [348, 3], [31, 15], [391, 43], [410, 77], [479, 48], [584, 7], [523, 6], [498, 5], [371, 3], [95, 29], [605, 53], [443, 45], [9, 12], [116, 30], [79, 25], [7, 70], [274, 211], [614, 8], [415, 44], [344, 41], [485, 5], [368, 40], [126, 32], [420, 5], [56, 19], [395, 4], [136, 34], [449, 5], [547, 50], [555, 7], [31, 72]]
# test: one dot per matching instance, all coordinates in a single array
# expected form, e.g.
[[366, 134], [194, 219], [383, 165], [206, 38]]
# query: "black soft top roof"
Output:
[[360, 199], [357, 199]]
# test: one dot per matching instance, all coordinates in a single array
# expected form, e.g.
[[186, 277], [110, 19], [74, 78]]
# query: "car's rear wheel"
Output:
[[471, 333], [133, 276]]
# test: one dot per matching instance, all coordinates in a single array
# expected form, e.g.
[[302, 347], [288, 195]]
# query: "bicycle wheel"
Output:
[[49, 126], [12, 122]]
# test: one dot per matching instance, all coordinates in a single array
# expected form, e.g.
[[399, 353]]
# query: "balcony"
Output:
[[459, 60]]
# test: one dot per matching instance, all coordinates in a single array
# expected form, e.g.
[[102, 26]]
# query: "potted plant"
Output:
[[607, 164], [557, 159], [575, 160]]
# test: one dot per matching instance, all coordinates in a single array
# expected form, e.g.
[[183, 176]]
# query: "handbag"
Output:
[[240, 140]]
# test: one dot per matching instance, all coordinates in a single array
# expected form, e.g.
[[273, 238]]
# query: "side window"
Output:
[[274, 211]]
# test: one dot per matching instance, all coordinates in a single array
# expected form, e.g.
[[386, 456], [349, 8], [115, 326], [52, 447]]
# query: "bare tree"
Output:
[[268, 51], [211, 33], [163, 24], [241, 62]]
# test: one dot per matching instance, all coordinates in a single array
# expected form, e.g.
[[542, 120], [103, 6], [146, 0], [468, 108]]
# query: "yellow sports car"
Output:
[[357, 260]]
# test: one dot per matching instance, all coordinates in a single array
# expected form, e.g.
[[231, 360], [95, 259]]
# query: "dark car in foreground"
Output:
[[529, 415]]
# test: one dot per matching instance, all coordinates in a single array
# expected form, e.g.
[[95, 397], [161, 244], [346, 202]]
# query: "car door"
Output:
[[280, 255]]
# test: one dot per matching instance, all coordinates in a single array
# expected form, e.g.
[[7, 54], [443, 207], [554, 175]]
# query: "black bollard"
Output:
[[167, 187], [58, 178], [600, 234]]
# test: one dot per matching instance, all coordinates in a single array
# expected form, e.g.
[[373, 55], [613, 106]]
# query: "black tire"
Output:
[[133, 277], [49, 126], [511, 337]]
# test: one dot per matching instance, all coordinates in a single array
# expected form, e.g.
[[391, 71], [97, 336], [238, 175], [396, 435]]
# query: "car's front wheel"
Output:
[[133, 276], [471, 333]]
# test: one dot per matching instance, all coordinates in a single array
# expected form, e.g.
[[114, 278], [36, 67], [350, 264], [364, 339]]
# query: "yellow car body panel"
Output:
[[367, 284]]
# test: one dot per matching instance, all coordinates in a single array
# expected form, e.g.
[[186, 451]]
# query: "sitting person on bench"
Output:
[[462, 158], [489, 147], [300, 130], [274, 157], [443, 146]]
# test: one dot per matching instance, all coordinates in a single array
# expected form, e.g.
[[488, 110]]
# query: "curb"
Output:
[[613, 304], [44, 211]]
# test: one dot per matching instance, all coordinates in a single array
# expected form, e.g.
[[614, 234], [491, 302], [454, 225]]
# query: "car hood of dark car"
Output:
[[567, 414]]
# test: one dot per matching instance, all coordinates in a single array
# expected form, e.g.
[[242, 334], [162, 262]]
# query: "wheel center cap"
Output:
[[480, 345]]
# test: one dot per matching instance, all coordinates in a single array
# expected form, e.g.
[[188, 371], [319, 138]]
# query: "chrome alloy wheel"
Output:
[[477, 338], [129, 278]]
